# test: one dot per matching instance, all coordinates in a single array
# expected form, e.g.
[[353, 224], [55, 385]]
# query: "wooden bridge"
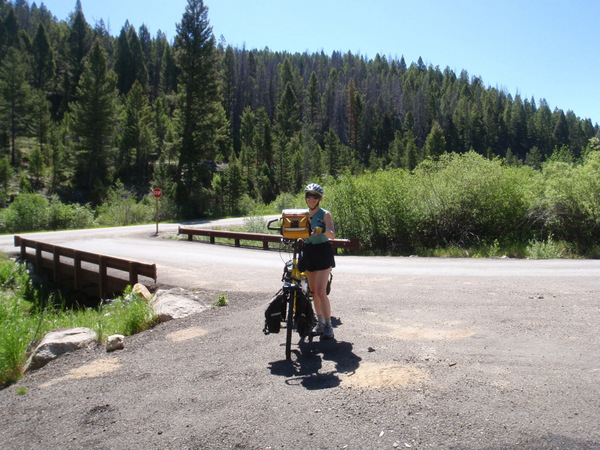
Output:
[[91, 273]]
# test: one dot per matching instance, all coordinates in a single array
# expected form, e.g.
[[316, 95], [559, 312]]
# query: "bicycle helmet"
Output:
[[314, 187]]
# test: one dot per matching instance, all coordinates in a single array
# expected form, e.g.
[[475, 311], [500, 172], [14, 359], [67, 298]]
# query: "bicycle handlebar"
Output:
[[269, 227]]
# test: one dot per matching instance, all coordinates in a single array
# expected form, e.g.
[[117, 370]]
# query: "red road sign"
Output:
[[157, 192]]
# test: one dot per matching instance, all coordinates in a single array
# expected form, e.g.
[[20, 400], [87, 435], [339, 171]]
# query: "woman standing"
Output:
[[318, 259]]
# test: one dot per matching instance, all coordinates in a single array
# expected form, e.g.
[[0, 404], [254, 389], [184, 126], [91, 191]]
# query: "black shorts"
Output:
[[316, 257]]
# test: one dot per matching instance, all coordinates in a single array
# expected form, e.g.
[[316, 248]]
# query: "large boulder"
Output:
[[58, 342], [175, 304]]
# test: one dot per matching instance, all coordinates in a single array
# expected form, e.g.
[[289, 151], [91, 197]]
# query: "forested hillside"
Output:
[[215, 126]]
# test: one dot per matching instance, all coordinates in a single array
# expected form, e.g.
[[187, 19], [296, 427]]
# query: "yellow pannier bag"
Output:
[[295, 223]]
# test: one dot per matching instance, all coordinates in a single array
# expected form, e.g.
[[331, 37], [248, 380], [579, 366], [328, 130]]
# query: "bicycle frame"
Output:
[[293, 280], [291, 288]]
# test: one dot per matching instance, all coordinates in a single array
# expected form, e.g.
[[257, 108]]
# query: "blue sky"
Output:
[[535, 48]]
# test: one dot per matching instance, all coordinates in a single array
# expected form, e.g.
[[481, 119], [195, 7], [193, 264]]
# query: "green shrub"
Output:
[[374, 208], [459, 200], [255, 224], [465, 199], [122, 208], [32, 212], [569, 205], [64, 217], [548, 249], [28, 212]]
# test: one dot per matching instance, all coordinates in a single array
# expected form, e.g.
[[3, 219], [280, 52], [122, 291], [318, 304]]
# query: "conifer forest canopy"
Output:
[[81, 110]]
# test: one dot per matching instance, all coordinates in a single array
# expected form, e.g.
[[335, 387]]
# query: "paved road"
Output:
[[451, 353]]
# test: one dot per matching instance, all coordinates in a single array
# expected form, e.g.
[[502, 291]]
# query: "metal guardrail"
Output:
[[237, 237], [83, 271]]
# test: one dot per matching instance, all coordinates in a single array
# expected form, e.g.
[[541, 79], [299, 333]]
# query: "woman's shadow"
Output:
[[307, 361]]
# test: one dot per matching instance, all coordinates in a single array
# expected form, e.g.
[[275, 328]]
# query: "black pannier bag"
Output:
[[275, 313], [305, 315]]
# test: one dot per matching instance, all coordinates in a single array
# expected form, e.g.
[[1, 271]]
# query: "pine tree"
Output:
[[314, 101], [136, 150], [534, 158], [202, 116], [94, 117], [169, 72], [560, 132], [248, 156], [123, 67], [265, 184], [79, 42], [138, 61], [235, 186], [5, 176], [229, 95], [9, 33], [288, 115], [411, 152], [36, 168], [14, 97], [43, 64], [149, 57], [263, 139], [332, 152], [130, 64], [59, 160], [161, 126], [101, 34], [352, 115], [397, 151], [155, 66], [435, 144], [40, 122]]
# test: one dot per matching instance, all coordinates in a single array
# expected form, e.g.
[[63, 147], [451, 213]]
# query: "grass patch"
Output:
[[548, 249], [26, 315], [532, 249], [222, 300]]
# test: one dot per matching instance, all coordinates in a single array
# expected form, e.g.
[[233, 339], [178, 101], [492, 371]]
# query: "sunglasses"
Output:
[[315, 196]]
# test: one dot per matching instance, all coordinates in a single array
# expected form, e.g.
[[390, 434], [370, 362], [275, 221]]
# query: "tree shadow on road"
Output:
[[307, 362]]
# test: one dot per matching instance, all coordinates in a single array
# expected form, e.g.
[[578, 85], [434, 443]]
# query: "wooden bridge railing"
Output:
[[237, 237], [85, 271]]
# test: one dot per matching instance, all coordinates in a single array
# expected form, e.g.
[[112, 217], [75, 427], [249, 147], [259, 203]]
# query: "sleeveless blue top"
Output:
[[318, 220]]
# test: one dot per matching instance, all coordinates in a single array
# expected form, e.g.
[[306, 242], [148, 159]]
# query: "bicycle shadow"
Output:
[[307, 362]]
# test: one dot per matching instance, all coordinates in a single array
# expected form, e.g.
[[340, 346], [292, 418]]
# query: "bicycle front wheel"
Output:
[[290, 326]]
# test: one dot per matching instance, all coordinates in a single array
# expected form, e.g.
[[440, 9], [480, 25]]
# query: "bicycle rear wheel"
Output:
[[289, 326]]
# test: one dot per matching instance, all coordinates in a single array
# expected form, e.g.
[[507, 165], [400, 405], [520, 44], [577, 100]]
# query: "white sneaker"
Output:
[[318, 329]]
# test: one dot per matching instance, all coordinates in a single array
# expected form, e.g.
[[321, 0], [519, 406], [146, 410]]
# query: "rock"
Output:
[[115, 342], [174, 304], [58, 342], [139, 288]]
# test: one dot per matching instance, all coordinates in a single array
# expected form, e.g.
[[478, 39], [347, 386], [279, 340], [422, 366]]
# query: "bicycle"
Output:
[[296, 305]]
